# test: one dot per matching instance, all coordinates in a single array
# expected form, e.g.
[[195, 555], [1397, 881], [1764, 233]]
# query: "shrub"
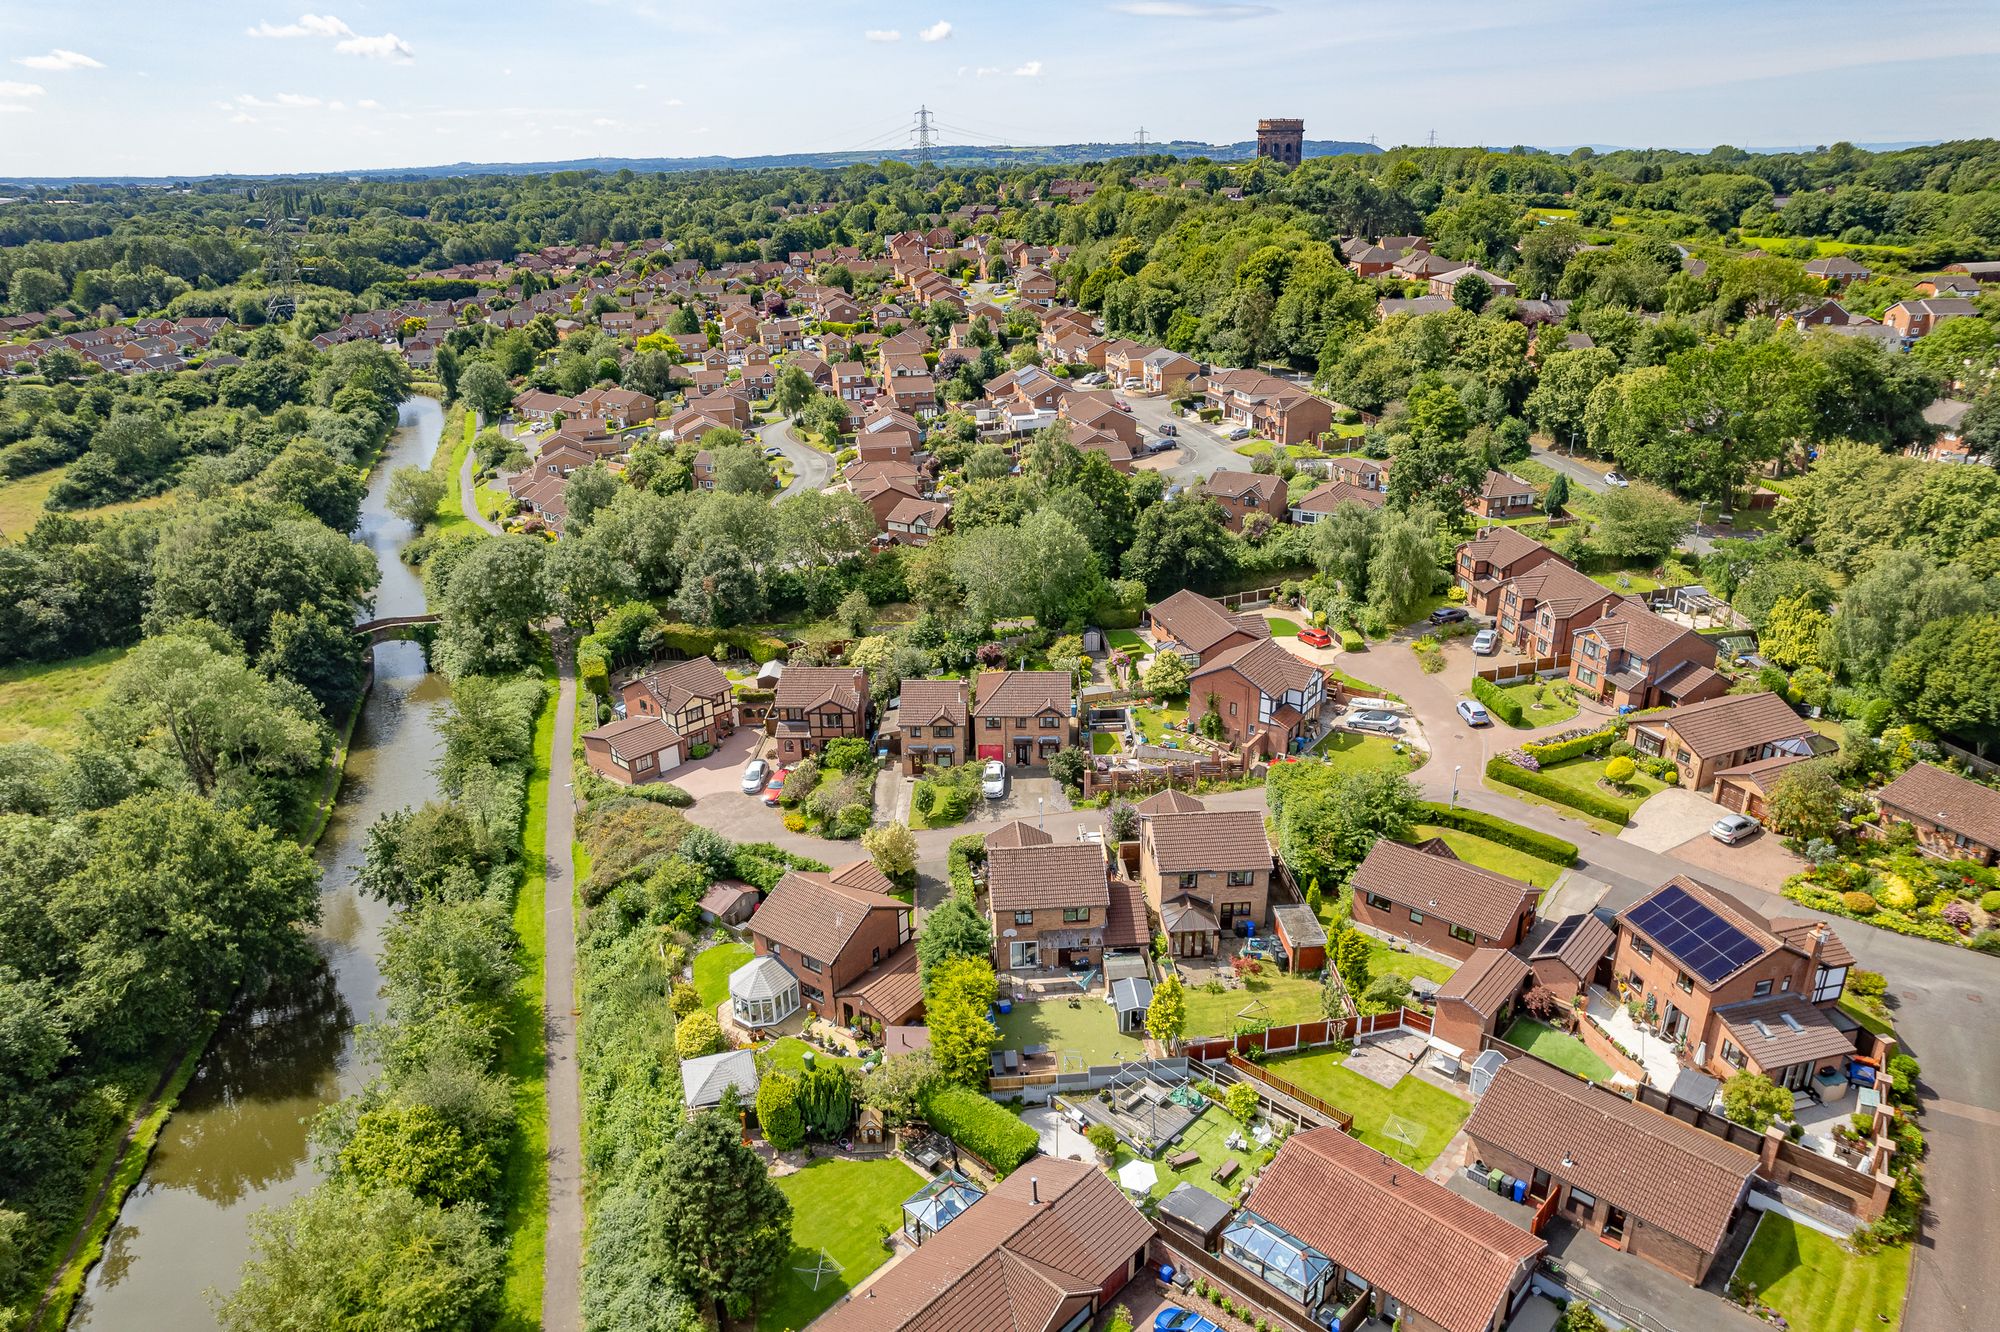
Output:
[[1352, 641], [1990, 902], [1241, 1101], [1597, 806], [852, 821], [1620, 770], [1957, 915], [1861, 904], [1595, 742], [687, 1001], [795, 821], [804, 779], [778, 1111], [1498, 701], [845, 754], [1493, 828], [697, 1036], [1103, 1139], [980, 1127], [1868, 985]]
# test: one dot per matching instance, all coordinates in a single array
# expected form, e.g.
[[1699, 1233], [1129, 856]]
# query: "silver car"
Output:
[[1385, 722], [1486, 642], [1733, 828], [755, 774]]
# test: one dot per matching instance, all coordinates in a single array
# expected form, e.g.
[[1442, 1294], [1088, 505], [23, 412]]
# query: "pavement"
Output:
[[1671, 818], [812, 469]]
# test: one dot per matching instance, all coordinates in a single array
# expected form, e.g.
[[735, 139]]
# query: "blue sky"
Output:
[[187, 86]]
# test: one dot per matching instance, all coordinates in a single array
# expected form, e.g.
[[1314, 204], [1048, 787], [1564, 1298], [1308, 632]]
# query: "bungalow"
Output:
[[1719, 735], [930, 724], [1430, 898], [1206, 875], [1628, 657], [1194, 625], [1267, 699], [1025, 716], [1502, 496], [692, 697], [1478, 1000], [1836, 270], [815, 704], [1641, 1180], [1955, 819], [1336, 1229], [846, 940], [633, 750], [1316, 504], [1485, 564], [1243, 493], [1446, 284]]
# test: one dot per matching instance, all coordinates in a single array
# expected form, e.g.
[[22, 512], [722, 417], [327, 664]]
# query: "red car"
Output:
[[776, 787], [1318, 638]]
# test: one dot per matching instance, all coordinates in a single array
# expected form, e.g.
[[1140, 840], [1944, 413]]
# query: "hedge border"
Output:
[[981, 1127], [1540, 845], [1597, 807], [1594, 742], [1498, 702]]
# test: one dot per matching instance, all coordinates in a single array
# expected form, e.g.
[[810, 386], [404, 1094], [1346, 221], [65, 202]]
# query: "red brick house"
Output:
[[1430, 898], [1640, 1180], [1268, 698], [1542, 607], [1629, 657], [1194, 625], [1277, 409], [1915, 319], [1243, 493], [1485, 564], [1023, 717], [693, 697], [633, 750], [1205, 874], [1955, 819], [1478, 1000], [1049, 902], [1718, 735], [1502, 496], [846, 940], [815, 704], [931, 725]]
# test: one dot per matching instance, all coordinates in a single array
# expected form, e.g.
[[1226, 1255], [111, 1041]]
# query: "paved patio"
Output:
[[1661, 1063], [1386, 1060], [1762, 860]]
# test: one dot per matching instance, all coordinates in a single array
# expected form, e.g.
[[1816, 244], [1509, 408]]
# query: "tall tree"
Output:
[[724, 1228]]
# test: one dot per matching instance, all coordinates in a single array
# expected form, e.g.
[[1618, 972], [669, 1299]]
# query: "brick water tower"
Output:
[[1281, 140]]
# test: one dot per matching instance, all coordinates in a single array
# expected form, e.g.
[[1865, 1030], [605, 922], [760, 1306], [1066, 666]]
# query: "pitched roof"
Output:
[[892, 987], [1763, 941], [1125, 923], [806, 687], [1485, 981], [1630, 624], [1501, 546], [705, 1078], [633, 736], [1667, 1173], [1265, 664], [1445, 1257], [1021, 693], [1578, 942], [1499, 485], [1054, 874], [1246, 487], [1782, 1029], [1731, 723], [1169, 801], [1459, 893], [1018, 832], [1213, 839], [927, 702], [1950, 801], [1330, 495], [1559, 585], [817, 914], [1008, 1263], [1199, 623], [697, 677]]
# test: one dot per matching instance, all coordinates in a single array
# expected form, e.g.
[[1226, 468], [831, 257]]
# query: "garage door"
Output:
[[669, 758], [1731, 796]]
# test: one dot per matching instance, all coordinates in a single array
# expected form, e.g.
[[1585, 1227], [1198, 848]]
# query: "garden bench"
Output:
[[1184, 1160], [1227, 1171]]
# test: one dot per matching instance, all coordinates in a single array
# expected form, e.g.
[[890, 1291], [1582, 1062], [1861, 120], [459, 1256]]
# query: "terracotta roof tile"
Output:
[[1212, 840], [1059, 874], [817, 914], [1450, 889], [1950, 801], [1485, 981], [1731, 723], [1199, 623], [634, 736], [1021, 693], [927, 702]]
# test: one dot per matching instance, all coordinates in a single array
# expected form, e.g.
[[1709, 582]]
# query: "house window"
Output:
[[1828, 983], [992, 723], [1763, 988], [816, 995], [1731, 1055], [1024, 917], [1232, 709], [1379, 902], [1416, 917], [1582, 1201], [1464, 934], [1231, 911], [1023, 953], [811, 964], [1076, 915], [1642, 948], [1587, 677], [1190, 881], [1242, 878], [1684, 983], [1050, 723]]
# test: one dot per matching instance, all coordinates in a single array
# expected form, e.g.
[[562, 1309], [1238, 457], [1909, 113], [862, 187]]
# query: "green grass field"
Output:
[[711, 971], [22, 503], [1528, 694], [1386, 961], [1633, 581], [1557, 1047], [1282, 627], [1090, 1030], [838, 1208], [1208, 1136], [1127, 641], [1354, 751], [45, 701], [788, 1054], [1103, 742], [1583, 774], [1821, 1286], [1434, 1113], [1152, 722], [1273, 998], [1476, 850]]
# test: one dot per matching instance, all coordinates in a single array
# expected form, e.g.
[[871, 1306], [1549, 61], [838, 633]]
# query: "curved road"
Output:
[[468, 501], [812, 468]]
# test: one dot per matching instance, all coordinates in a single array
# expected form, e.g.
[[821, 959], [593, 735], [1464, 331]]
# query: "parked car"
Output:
[[1384, 722], [1122, 405], [1474, 713], [773, 451], [775, 791], [1170, 430], [1134, 385], [1486, 642], [1239, 432], [1449, 614], [1318, 638], [755, 773], [993, 780], [1733, 828], [1615, 479], [1173, 1318], [1094, 377]]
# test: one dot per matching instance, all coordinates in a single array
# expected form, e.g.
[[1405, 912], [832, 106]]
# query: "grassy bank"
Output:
[[460, 426], [45, 701]]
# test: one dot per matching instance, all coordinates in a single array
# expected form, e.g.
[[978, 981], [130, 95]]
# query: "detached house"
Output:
[[1320, 502], [1630, 657], [815, 704], [1194, 625], [1734, 743], [692, 697], [1277, 409], [931, 724], [1023, 717], [1485, 564], [1955, 819], [1428, 897], [1502, 496], [846, 941], [1915, 319], [1205, 874], [1543, 606], [1269, 700], [633, 750], [1050, 902], [1243, 493]]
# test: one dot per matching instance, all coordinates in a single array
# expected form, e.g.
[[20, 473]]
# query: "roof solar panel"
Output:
[[1701, 940], [1560, 935]]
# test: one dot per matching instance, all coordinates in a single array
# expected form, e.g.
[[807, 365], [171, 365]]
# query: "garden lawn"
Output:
[[1208, 1136], [788, 1054], [1125, 640], [1355, 751], [44, 701], [1557, 1047], [1582, 774], [711, 972], [1818, 1284], [22, 501], [838, 1208], [1103, 742], [1435, 1112], [1282, 627], [1476, 850], [1528, 694], [1628, 580], [1273, 997], [1090, 1030], [1152, 721], [1360, 688], [1386, 961]]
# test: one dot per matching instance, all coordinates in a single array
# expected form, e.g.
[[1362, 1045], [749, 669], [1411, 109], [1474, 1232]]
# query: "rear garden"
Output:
[[1355, 751], [1270, 998], [711, 972], [1208, 1138], [1089, 1030], [1423, 1117], [1557, 1047], [1817, 1283], [840, 1211], [1476, 850]]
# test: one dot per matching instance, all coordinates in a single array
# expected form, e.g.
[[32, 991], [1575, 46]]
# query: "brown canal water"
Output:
[[237, 1143]]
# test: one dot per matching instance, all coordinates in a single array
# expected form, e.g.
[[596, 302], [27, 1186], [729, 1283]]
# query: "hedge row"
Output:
[[1535, 783], [965, 853], [1595, 742], [1498, 701], [1493, 828], [980, 1127]]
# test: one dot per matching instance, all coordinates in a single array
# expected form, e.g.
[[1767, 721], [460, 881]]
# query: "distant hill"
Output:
[[1054, 154]]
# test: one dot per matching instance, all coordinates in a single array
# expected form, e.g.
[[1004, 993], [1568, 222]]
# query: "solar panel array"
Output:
[[1704, 942], [1560, 935]]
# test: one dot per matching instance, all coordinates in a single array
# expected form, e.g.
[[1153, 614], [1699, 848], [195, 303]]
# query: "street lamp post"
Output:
[[1456, 768]]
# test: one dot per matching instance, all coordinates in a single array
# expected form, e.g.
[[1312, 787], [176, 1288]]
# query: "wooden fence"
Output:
[[1333, 1114], [1305, 1035], [1525, 669], [1160, 774], [1984, 767]]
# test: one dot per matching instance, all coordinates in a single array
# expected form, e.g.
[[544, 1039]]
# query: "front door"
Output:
[[1021, 751]]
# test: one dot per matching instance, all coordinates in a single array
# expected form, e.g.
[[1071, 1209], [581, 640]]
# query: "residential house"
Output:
[[1947, 284], [1710, 741], [1422, 266], [1915, 319], [1836, 271], [815, 704], [1035, 287], [1205, 874], [1243, 493], [1050, 902], [1946, 417], [931, 724], [1640, 1180], [1365, 473], [1446, 284], [1502, 496], [1955, 819], [693, 697], [1388, 307], [1428, 897], [1338, 1230], [1694, 961], [621, 407], [1486, 563], [914, 522], [847, 941], [1277, 409], [1542, 607], [1267, 698], [1023, 717], [1479, 999], [1167, 372], [1194, 625], [1628, 657], [633, 750], [1322, 500], [1045, 1251], [851, 382]]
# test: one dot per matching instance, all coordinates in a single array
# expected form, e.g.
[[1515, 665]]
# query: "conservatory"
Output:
[[1278, 1258], [937, 1204], [763, 992]]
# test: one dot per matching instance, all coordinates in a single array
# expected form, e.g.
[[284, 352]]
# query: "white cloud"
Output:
[[59, 60], [883, 35], [309, 25], [1031, 70], [243, 118], [14, 109], [20, 89], [346, 40], [605, 122], [369, 104], [251, 99], [297, 99], [984, 71], [675, 101], [386, 47], [336, 106], [937, 32], [1178, 9]]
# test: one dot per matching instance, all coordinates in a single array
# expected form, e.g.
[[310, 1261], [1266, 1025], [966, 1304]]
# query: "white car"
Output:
[[1486, 642], [1474, 713], [755, 774], [993, 780], [1385, 722], [1616, 479], [1733, 828]]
